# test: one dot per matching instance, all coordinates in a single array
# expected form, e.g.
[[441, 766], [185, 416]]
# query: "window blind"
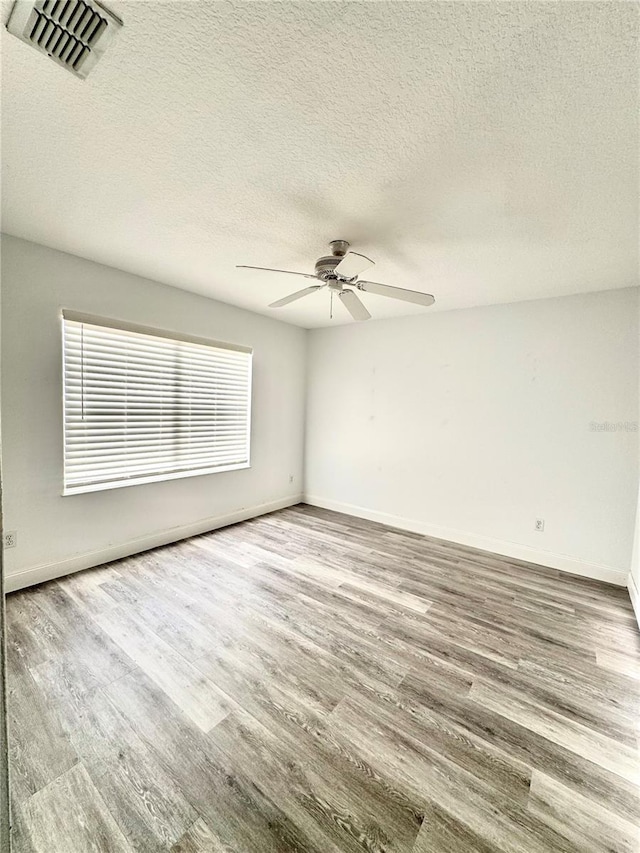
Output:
[[140, 406]]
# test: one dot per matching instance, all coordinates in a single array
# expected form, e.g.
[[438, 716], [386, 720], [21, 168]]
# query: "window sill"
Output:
[[152, 478]]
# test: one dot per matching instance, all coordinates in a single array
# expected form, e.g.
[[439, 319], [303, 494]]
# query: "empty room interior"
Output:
[[319, 413]]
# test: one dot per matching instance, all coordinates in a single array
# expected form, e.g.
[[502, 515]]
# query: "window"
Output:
[[141, 405]]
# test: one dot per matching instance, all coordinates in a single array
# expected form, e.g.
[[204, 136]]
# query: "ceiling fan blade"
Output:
[[293, 296], [396, 292], [269, 269], [354, 306], [352, 265]]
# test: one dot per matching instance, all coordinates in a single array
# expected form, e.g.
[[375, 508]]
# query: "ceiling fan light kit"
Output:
[[339, 272]]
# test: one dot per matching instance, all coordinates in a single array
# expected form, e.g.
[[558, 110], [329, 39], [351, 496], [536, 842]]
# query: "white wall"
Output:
[[634, 577], [470, 424], [635, 563], [58, 534], [465, 424]]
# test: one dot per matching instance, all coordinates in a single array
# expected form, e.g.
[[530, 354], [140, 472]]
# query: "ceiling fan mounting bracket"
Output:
[[339, 248]]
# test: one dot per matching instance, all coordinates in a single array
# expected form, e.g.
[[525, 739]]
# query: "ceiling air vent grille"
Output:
[[74, 33]]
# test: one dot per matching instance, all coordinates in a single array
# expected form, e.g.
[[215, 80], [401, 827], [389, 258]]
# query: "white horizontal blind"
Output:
[[141, 407]]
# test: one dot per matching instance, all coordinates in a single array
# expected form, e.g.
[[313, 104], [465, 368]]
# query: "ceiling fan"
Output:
[[339, 272]]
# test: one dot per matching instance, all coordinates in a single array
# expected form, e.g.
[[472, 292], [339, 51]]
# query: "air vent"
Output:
[[74, 33]]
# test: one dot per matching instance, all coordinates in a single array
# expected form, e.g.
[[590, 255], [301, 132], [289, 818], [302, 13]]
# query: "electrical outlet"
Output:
[[10, 539], [540, 525], [291, 478]]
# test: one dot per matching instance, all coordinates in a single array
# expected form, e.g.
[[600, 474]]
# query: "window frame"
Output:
[[110, 323]]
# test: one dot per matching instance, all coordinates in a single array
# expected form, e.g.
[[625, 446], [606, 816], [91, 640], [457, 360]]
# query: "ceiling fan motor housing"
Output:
[[325, 266]]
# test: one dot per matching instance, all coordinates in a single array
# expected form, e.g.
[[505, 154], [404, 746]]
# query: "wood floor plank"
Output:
[[436, 738], [617, 758], [309, 682], [190, 690], [85, 587], [39, 747], [83, 640], [627, 665], [159, 613], [335, 813], [496, 819], [581, 820], [73, 707], [199, 838], [148, 807], [224, 795], [70, 815], [147, 804], [531, 748], [443, 833]]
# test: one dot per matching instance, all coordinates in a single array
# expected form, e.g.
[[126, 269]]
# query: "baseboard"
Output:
[[561, 562], [634, 595], [49, 571]]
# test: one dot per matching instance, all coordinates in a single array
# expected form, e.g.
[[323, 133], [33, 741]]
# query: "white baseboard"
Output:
[[484, 543], [49, 571], [634, 595]]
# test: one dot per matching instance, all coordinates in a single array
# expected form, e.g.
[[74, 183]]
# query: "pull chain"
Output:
[[331, 306]]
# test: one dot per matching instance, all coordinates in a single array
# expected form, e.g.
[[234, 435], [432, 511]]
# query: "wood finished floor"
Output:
[[307, 681]]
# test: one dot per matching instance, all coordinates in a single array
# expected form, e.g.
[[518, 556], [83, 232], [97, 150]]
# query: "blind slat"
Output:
[[94, 458]]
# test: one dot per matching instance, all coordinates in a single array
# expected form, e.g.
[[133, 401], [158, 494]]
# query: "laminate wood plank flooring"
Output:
[[308, 681]]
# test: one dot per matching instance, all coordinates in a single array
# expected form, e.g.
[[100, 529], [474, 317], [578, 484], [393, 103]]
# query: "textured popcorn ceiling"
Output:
[[483, 152]]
